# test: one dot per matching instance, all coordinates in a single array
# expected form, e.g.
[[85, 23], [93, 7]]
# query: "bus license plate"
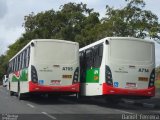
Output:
[[131, 85], [55, 82]]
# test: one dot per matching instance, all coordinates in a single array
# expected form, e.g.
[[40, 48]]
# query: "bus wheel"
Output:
[[11, 93], [20, 95]]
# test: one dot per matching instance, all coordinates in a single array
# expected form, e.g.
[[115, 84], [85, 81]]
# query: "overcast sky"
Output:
[[12, 14]]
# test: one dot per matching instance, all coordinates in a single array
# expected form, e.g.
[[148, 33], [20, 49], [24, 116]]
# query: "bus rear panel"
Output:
[[54, 67], [130, 68]]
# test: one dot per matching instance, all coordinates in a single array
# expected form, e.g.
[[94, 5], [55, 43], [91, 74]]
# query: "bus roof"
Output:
[[44, 40], [53, 40], [113, 38]]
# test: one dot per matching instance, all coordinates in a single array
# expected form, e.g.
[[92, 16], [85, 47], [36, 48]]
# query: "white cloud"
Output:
[[3, 8], [11, 35], [153, 6]]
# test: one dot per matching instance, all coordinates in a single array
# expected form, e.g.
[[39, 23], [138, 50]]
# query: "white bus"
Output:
[[118, 67], [45, 66]]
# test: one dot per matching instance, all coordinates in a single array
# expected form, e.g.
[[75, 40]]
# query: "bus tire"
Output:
[[11, 93], [20, 95]]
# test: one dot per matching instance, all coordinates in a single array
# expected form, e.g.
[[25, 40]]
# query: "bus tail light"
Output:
[[152, 78], [76, 75], [108, 76], [34, 76]]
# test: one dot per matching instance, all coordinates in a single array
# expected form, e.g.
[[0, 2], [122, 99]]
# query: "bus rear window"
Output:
[[56, 52], [131, 50]]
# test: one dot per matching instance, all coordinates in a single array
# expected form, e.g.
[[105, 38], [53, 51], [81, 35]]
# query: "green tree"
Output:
[[3, 66], [72, 22], [132, 20]]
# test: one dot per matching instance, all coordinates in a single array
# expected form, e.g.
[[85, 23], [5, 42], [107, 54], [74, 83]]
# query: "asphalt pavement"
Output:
[[68, 108]]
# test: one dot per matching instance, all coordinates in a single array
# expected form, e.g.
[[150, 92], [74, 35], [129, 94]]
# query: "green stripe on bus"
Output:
[[21, 75], [92, 75]]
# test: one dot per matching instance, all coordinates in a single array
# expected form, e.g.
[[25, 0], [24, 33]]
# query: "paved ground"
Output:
[[155, 101], [67, 108]]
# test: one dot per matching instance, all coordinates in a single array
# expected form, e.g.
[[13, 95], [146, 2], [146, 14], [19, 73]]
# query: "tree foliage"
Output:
[[157, 72], [3, 66], [132, 20], [76, 22], [72, 22]]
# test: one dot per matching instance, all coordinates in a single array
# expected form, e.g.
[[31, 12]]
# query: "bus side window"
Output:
[[20, 61], [27, 56], [26, 63], [16, 64], [95, 64], [98, 52], [24, 58], [82, 66], [82, 59], [89, 58], [11, 66]]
